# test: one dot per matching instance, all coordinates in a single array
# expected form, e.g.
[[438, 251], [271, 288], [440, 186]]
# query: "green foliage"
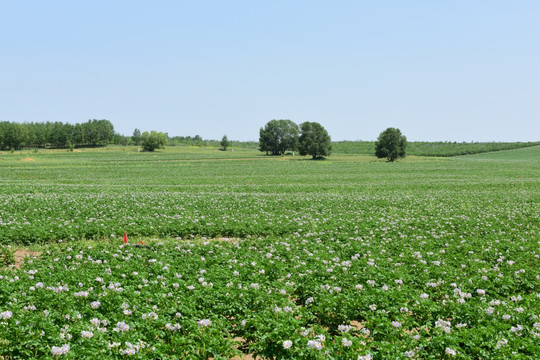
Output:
[[278, 136], [314, 140], [153, 140], [136, 137], [55, 135], [13, 136], [391, 144], [196, 140], [225, 143], [7, 255]]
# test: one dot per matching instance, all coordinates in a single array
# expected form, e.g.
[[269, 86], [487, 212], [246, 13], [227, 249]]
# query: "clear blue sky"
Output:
[[438, 70]]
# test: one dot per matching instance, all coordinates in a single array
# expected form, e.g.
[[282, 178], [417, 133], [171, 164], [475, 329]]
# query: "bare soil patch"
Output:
[[21, 254]]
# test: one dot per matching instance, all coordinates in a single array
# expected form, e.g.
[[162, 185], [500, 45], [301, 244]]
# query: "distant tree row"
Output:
[[196, 140], [55, 134], [280, 136]]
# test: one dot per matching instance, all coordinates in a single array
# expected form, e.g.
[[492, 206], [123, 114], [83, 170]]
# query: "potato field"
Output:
[[243, 255]]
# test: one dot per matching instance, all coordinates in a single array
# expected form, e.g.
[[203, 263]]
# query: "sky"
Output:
[[437, 70]]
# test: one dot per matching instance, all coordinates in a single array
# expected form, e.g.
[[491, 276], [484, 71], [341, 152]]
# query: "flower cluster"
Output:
[[60, 350]]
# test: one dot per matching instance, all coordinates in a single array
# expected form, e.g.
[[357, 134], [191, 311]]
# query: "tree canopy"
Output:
[[278, 136], [153, 140], [225, 143], [391, 144], [314, 140], [55, 134], [136, 137]]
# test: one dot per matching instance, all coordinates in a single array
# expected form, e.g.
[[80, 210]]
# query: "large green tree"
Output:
[[278, 136], [391, 144], [314, 140], [153, 140]]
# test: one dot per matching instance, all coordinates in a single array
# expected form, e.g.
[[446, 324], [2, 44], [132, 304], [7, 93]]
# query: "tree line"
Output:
[[55, 134], [275, 138]]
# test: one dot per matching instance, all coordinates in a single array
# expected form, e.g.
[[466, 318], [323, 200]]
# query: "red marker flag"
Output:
[[125, 237]]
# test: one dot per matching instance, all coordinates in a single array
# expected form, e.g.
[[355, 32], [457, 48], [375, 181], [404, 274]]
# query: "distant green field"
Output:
[[531, 154], [416, 148], [441, 149], [278, 257], [184, 191]]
